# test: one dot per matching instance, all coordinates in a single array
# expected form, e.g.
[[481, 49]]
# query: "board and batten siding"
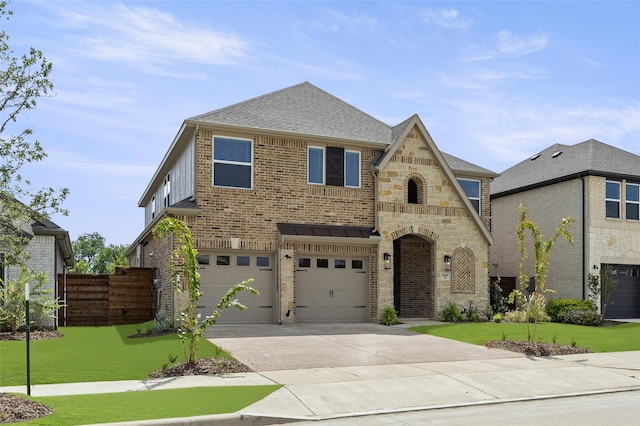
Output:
[[182, 182]]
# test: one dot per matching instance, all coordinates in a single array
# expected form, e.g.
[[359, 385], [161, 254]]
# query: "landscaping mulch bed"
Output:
[[14, 409], [202, 366], [536, 348]]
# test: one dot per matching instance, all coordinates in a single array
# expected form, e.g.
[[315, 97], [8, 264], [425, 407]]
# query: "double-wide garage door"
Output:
[[221, 271], [331, 289]]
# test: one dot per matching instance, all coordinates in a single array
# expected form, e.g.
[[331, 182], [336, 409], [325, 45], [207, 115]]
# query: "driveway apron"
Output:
[[271, 347]]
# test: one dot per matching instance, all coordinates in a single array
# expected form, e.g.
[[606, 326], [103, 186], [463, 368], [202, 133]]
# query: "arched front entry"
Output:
[[414, 277]]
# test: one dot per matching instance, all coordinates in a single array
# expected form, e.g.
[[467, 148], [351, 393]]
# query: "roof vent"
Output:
[[534, 157], [556, 154]]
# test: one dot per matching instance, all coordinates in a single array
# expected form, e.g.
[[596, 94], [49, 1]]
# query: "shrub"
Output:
[[521, 316], [499, 303], [497, 318], [451, 313], [163, 322], [581, 317], [471, 313], [556, 308], [389, 316]]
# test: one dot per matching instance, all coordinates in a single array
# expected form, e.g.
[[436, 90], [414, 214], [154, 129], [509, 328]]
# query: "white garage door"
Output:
[[221, 271], [331, 289]]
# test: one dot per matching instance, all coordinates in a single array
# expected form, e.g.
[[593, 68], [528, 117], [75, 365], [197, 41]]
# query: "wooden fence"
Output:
[[126, 297]]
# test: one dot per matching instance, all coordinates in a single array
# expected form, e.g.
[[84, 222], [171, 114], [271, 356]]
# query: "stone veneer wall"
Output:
[[443, 219]]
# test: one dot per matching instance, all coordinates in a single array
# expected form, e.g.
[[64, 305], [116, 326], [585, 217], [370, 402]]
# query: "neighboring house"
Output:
[[50, 252], [335, 214], [599, 186]]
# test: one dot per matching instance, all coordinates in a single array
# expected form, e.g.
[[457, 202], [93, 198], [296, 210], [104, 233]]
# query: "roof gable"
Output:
[[406, 127], [560, 162], [302, 109]]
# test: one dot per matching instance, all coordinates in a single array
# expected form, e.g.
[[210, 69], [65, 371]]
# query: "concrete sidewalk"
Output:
[[341, 392]]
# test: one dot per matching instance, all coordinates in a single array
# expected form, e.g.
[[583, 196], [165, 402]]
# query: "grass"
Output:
[[87, 354], [106, 353], [617, 338], [144, 405]]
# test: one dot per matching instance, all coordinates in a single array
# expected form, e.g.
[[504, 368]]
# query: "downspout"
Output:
[[279, 279], [584, 241]]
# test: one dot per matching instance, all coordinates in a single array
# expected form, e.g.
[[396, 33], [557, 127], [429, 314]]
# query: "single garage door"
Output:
[[221, 271], [626, 296], [331, 289]]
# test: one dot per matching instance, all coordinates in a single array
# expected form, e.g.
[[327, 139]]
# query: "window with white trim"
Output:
[[315, 165], [352, 169], [632, 201], [471, 187], [166, 191], [612, 195], [232, 162], [333, 166], [153, 207]]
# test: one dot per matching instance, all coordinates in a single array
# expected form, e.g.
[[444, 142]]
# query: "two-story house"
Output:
[[335, 214], [599, 186], [50, 251]]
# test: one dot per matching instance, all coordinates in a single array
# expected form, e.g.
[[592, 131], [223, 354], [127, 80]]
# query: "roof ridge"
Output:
[[255, 98]]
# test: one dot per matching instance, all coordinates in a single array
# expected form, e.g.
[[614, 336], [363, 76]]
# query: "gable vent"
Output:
[[556, 154]]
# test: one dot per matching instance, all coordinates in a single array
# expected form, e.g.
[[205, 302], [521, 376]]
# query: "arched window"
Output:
[[412, 192]]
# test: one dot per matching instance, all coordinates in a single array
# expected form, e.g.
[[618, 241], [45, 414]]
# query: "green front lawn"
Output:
[[624, 337], [88, 354], [147, 405]]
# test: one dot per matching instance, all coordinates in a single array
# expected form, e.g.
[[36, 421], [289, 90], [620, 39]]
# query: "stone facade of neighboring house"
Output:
[[50, 252], [335, 214], [598, 185]]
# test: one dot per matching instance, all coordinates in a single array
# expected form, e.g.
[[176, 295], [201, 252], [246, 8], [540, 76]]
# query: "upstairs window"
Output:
[[471, 187], [315, 165], [632, 199], [612, 194], [352, 169], [153, 207], [412, 192], [166, 191], [333, 166], [232, 162]]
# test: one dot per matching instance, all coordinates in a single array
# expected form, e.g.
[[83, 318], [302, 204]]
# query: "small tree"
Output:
[[534, 303], [23, 80], [12, 302], [184, 264], [608, 284]]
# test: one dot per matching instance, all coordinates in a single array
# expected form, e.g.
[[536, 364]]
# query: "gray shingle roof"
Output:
[[459, 165], [561, 162], [303, 109]]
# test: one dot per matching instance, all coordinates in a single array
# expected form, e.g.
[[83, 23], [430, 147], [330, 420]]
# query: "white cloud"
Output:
[[510, 44], [446, 18], [149, 39]]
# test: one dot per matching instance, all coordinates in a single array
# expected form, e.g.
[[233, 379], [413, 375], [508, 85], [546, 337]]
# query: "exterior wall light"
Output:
[[387, 261], [447, 262]]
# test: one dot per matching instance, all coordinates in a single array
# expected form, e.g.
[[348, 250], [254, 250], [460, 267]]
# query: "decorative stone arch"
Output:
[[463, 271], [419, 230], [414, 271], [415, 189]]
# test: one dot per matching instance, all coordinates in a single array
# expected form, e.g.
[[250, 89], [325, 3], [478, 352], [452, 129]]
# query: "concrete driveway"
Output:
[[271, 347]]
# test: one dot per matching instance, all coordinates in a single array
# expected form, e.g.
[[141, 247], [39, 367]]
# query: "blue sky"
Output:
[[493, 82]]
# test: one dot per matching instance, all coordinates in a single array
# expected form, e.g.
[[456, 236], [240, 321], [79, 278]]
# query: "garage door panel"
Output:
[[224, 270], [331, 289], [625, 300]]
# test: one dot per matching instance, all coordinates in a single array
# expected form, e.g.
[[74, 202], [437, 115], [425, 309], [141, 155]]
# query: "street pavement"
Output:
[[381, 370]]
